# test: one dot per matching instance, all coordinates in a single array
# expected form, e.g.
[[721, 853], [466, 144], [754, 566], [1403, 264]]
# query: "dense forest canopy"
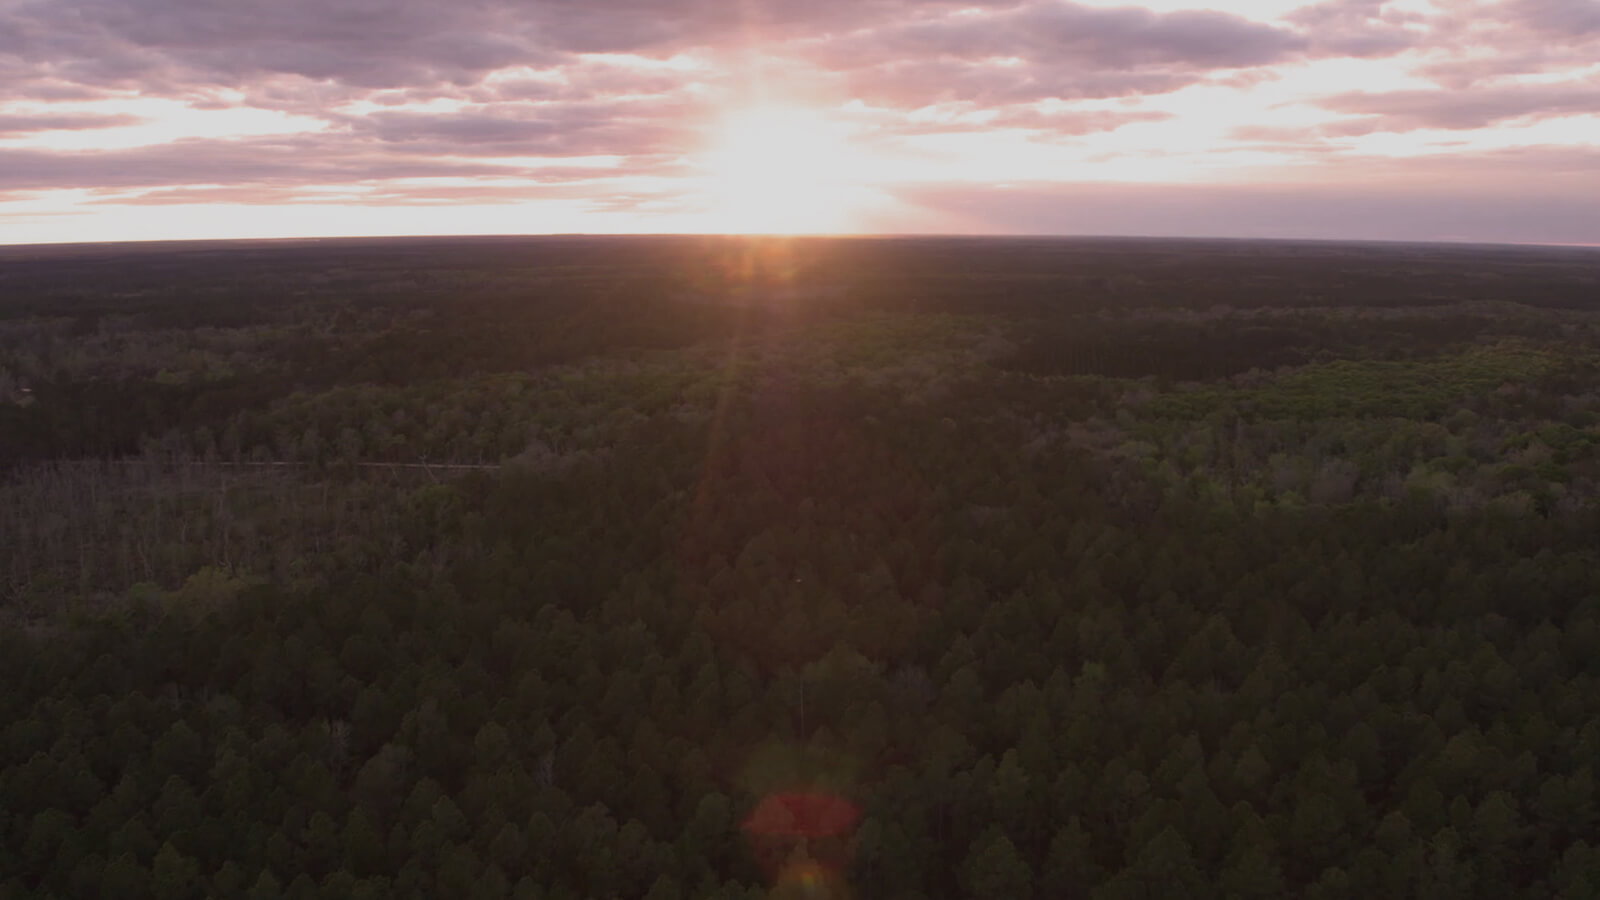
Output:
[[711, 567]]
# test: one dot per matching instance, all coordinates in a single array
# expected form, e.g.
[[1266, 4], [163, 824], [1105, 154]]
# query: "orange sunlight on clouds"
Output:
[[178, 119]]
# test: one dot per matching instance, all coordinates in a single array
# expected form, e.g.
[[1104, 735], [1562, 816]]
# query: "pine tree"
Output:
[[994, 868]]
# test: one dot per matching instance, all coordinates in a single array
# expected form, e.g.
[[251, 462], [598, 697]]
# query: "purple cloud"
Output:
[[1360, 28], [174, 46], [367, 70], [185, 42], [387, 43], [1412, 110], [1132, 37], [1064, 33], [299, 160], [569, 184], [913, 83], [1044, 50], [1571, 19], [11, 125]]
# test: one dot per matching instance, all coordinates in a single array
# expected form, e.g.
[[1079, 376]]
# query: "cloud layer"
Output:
[[414, 101]]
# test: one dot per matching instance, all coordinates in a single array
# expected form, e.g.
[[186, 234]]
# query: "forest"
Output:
[[684, 567]]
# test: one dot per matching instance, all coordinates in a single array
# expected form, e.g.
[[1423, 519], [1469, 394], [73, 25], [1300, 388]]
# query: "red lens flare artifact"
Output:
[[802, 841]]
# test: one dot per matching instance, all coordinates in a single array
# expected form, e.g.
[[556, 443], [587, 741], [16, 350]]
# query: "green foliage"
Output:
[[1422, 390], [993, 868], [1324, 632]]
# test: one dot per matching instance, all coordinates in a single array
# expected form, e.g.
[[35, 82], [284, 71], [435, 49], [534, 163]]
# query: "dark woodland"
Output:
[[529, 568]]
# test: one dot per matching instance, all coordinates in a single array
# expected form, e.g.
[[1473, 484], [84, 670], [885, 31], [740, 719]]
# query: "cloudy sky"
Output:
[[1366, 119]]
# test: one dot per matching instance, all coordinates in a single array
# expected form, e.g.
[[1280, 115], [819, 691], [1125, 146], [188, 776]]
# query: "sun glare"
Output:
[[775, 170]]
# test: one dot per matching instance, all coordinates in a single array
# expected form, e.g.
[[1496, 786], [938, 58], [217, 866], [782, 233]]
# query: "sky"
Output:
[[1449, 120]]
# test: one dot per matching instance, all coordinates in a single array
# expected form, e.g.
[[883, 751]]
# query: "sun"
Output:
[[781, 170]]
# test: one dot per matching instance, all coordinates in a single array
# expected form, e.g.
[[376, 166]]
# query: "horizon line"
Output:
[[154, 243]]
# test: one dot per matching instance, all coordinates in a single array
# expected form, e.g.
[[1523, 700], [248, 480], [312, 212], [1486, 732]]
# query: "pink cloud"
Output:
[[27, 124], [520, 78], [1411, 110]]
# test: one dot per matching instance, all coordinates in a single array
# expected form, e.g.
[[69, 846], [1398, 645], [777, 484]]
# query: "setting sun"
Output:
[[775, 170]]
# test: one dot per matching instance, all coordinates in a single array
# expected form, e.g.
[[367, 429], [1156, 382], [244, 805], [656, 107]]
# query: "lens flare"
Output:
[[802, 839]]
